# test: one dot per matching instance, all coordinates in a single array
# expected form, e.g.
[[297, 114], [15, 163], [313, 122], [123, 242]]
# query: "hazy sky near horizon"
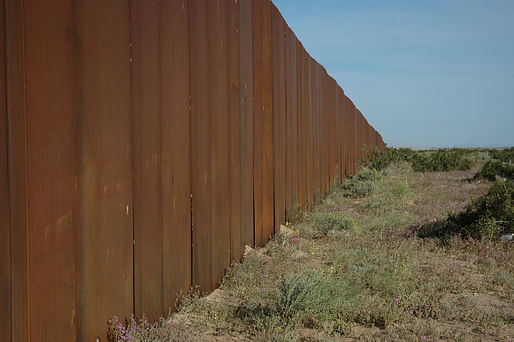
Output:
[[426, 73]]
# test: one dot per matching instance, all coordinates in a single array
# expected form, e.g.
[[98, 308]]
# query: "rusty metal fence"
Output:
[[144, 144]]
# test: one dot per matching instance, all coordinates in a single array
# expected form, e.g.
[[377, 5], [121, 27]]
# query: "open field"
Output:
[[356, 268]]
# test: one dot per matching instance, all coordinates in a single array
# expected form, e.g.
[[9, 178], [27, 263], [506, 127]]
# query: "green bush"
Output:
[[441, 161], [493, 169], [379, 160], [506, 155], [486, 218], [362, 184]]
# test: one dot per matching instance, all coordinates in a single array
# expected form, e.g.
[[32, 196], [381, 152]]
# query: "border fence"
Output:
[[143, 144]]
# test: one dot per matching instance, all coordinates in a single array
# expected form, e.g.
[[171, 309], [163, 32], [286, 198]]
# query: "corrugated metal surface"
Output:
[[144, 144]]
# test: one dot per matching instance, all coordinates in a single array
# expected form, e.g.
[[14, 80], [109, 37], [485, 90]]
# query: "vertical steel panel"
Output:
[[356, 138], [234, 112], [345, 134], [292, 124], [279, 114], [200, 145], [331, 145], [105, 164], [351, 138], [316, 131], [335, 122], [337, 134], [267, 138], [342, 141], [329, 127], [51, 123], [217, 35], [300, 77], [327, 133], [263, 122], [5, 248], [175, 151], [146, 116], [246, 84], [347, 117], [18, 187], [351, 124], [340, 109], [308, 132], [321, 135], [312, 152], [258, 119], [323, 132]]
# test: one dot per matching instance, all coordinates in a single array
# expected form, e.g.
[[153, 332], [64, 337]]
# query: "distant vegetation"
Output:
[[441, 161]]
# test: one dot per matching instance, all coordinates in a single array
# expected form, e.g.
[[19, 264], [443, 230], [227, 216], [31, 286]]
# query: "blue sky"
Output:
[[425, 73]]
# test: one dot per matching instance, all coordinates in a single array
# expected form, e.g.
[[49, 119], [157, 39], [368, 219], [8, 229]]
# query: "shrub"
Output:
[[293, 293], [506, 155], [485, 218], [493, 169], [362, 184], [441, 161], [380, 160]]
